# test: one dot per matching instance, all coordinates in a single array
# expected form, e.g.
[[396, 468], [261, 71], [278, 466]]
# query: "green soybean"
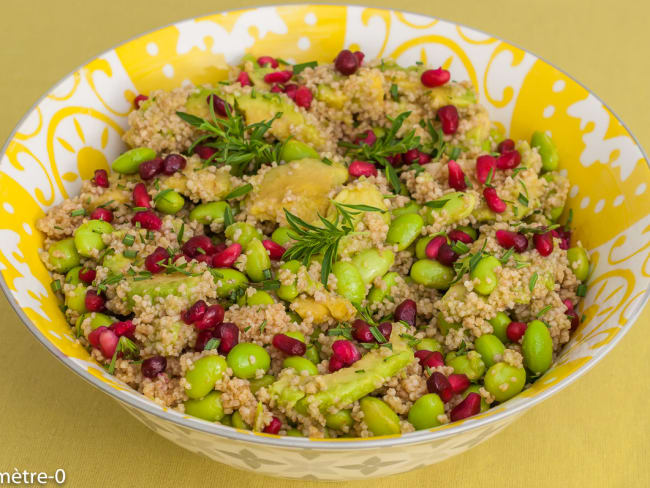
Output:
[[428, 344], [246, 358], [469, 364], [339, 420], [425, 411], [432, 274], [230, 280], [63, 255], [547, 150], [129, 162], [470, 231], [537, 347], [293, 150], [410, 208], [312, 354], [260, 297], [242, 233], [72, 276], [421, 247], [489, 346], [263, 382], [294, 433], [169, 202], [258, 262], [300, 364], [238, 421], [289, 292], [444, 326], [579, 262], [504, 381], [349, 282], [372, 263], [296, 335], [484, 271], [76, 299], [205, 373], [206, 213], [404, 230], [88, 236], [499, 324], [226, 420], [379, 417], [379, 293], [207, 408], [282, 236]]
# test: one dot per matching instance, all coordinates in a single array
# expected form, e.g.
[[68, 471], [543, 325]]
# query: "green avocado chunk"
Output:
[[163, 285]]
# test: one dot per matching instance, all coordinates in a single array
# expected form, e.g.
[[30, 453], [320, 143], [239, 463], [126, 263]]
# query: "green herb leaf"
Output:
[[522, 199], [455, 152], [376, 333], [544, 310], [55, 285], [128, 240], [533, 280], [78, 213], [212, 344], [191, 119], [581, 291], [130, 253], [299, 68], [228, 219], [239, 191], [179, 236], [394, 92]]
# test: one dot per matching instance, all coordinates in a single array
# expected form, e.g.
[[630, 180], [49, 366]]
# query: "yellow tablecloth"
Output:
[[595, 433]]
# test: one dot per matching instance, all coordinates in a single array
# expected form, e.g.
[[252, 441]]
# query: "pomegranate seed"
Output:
[[446, 255], [173, 163], [196, 244], [509, 160], [276, 251], [575, 320], [459, 382], [448, 115], [459, 235], [303, 97], [406, 312], [484, 164], [433, 360], [493, 201], [220, 106], [543, 243], [346, 352], [362, 168], [456, 176], [93, 337], [290, 89], [87, 275], [147, 220], [278, 76], [386, 328], [227, 257], [424, 159], [219, 247], [108, 343], [395, 160], [205, 152], [274, 426], [154, 260], [508, 240], [94, 302], [137, 101], [439, 384], [369, 138], [361, 331], [101, 178], [141, 196], [195, 312], [244, 79], [568, 304], [506, 145], [422, 355], [264, 60], [359, 55], [125, 328], [101, 213], [435, 77], [153, 366], [411, 156], [289, 345], [515, 331], [335, 364], [433, 247], [565, 241], [468, 407], [202, 339], [275, 88], [151, 168], [229, 335], [212, 317], [346, 63]]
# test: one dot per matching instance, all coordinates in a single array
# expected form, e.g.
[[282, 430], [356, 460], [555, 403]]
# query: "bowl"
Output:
[[76, 126]]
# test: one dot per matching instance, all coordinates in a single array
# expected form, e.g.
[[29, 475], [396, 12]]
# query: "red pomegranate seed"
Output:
[[361, 331], [219, 105], [93, 337], [151, 168], [87, 275], [94, 302], [101, 178], [274, 426], [493, 201], [154, 260], [565, 239], [422, 355], [198, 245], [278, 76], [411, 156], [386, 328], [573, 316], [515, 331], [101, 213], [468, 407], [244, 79], [173, 163], [137, 101], [147, 220], [227, 257], [395, 160], [275, 88], [264, 60], [506, 145], [335, 364], [433, 360], [141, 196], [362, 168], [369, 138], [424, 159], [484, 164], [346, 62], [205, 152], [456, 176], [212, 317], [509, 160], [229, 335], [290, 89], [125, 328], [346, 352], [446, 255], [448, 115], [459, 382], [108, 343], [543, 243], [459, 235], [153, 366], [439, 384], [303, 97], [202, 339], [508, 240], [359, 55], [435, 77], [289, 345], [195, 312], [406, 312], [433, 247], [276, 251]]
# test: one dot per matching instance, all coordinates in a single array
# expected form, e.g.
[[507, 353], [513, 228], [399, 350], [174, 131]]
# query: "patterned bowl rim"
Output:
[[417, 437]]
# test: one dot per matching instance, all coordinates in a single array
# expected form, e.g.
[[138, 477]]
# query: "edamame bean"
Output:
[[537, 347], [63, 255], [312, 354], [128, 163], [504, 381], [421, 246], [432, 274], [425, 411], [208, 408], [230, 280], [242, 233], [484, 271], [281, 236], [260, 297], [547, 150], [289, 292], [169, 202], [470, 231], [246, 358], [372, 263], [205, 372], [238, 421], [293, 150], [499, 325], [76, 299], [428, 344], [404, 230], [349, 282], [578, 262], [206, 213], [88, 236], [444, 326], [489, 346], [226, 420], [339, 420], [294, 433], [379, 417], [556, 213], [72, 276], [263, 382], [476, 389], [469, 364], [300, 364], [379, 293], [258, 262], [295, 334], [410, 208]]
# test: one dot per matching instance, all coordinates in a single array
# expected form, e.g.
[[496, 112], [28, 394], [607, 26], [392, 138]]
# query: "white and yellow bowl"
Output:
[[75, 128]]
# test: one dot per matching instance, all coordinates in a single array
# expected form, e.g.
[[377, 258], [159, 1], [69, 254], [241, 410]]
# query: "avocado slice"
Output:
[[163, 285]]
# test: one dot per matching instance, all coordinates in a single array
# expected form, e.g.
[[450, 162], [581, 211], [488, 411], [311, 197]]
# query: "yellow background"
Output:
[[595, 433]]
